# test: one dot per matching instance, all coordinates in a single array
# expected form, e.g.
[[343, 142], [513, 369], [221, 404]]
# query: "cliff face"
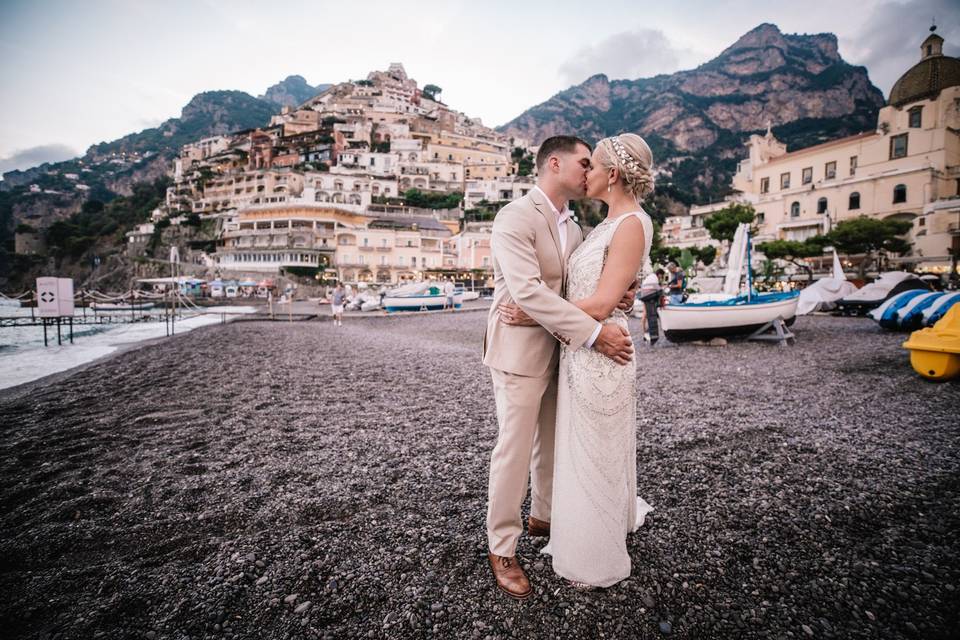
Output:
[[292, 92], [797, 83]]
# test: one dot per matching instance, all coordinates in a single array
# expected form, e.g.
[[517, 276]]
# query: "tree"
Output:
[[869, 236], [432, 91], [706, 255], [793, 251], [723, 224], [428, 200]]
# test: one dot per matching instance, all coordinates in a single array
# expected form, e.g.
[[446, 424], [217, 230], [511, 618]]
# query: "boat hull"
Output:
[[419, 303], [696, 322]]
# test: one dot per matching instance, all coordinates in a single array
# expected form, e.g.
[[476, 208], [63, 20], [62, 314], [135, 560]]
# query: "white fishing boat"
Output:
[[467, 295], [420, 296], [732, 312]]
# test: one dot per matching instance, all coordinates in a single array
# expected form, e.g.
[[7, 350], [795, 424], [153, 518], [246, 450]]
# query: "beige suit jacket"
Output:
[[529, 269]]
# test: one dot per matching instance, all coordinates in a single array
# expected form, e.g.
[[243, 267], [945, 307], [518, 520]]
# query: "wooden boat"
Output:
[[733, 317], [736, 313], [420, 296]]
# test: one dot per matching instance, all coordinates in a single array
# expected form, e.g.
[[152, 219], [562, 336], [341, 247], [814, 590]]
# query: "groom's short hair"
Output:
[[563, 144]]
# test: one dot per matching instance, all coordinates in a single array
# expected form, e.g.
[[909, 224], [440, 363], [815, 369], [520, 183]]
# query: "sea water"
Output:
[[23, 357]]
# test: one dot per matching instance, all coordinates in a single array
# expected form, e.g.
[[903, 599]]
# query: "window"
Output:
[[759, 218], [898, 146], [921, 221], [383, 260], [830, 171], [764, 185], [916, 117], [413, 261], [366, 242], [795, 210], [784, 180], [822, 205], [854, 200], [899, 193], [853, 165], [806, 177], [400, 260]]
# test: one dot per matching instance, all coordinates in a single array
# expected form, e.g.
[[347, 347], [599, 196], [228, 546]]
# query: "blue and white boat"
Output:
[[887, 313], [420, 296], [910, 317], [939, 308], [741, 311]]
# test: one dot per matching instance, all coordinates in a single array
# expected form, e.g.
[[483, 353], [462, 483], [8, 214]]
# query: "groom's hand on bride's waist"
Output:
[[615, 343]]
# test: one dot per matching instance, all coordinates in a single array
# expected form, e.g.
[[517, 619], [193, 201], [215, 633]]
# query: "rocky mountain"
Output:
[[292, 91], [696, 121]]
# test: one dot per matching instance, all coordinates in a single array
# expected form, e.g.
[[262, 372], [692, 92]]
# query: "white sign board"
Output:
[[55, 297]]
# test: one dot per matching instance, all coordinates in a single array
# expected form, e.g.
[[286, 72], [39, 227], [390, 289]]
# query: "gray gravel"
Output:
[[274, 480]]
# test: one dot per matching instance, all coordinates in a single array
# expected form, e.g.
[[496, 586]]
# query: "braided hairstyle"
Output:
[[630, 154]]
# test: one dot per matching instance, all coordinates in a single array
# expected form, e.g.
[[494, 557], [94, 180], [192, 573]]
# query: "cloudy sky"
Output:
[[76, 73]]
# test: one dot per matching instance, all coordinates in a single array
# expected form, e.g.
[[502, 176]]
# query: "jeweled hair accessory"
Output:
[[621, 152]]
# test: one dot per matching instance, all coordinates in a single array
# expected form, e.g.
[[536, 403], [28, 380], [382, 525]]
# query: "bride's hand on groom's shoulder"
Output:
[[513, 315]]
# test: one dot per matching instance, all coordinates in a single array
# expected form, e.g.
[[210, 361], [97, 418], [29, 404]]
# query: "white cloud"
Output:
[[26, 158], [634, 54], [888, 43]]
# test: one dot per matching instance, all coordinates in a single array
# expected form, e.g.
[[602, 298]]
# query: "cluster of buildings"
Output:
[[907, 169], [320, 187], [319, 190]]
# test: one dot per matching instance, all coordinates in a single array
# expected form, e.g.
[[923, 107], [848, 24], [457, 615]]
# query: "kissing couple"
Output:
[[561, 359]]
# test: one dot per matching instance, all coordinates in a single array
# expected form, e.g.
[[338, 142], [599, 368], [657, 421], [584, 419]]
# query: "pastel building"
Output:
[[906, 169]]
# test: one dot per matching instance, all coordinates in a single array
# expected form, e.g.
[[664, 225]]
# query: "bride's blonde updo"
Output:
[[630, 154]]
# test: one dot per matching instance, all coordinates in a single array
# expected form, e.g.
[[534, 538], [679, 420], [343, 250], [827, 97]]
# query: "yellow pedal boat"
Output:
[[935, 351]]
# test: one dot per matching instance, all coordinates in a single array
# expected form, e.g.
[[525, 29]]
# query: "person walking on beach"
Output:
[[531, 240], [675, 284], [650, 297], [337, 300], [595, 503]]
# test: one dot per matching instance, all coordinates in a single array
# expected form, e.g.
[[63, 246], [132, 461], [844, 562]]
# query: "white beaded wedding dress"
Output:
[[595, 503]]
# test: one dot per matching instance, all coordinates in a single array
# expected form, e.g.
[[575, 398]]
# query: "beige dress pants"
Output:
[[527, 416]]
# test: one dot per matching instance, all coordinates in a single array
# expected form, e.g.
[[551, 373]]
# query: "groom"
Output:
[[532, 238]]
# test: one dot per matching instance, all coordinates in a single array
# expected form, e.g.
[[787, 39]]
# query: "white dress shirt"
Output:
[[562, 218]]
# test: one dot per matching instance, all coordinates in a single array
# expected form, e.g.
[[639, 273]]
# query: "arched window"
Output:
[[795, 210], [854, 200], [822, 205], [899, 193]]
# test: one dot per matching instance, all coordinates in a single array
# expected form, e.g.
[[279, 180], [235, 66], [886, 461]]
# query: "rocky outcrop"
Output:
[[292, 91], [799, 84]]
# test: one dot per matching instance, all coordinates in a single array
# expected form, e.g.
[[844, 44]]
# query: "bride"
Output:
[[595, 503]]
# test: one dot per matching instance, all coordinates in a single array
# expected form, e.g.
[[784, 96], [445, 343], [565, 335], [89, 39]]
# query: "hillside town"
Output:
[[321, 189], [325, 189], [376, 181]]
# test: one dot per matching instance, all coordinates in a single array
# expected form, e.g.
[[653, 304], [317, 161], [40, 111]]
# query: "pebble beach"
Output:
[[280, 480]]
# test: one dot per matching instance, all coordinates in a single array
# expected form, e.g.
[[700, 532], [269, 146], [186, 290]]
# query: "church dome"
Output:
[[929, 77]]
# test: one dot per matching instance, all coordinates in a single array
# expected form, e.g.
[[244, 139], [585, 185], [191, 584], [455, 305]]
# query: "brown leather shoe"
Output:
[[538, 528], [510, 576]]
